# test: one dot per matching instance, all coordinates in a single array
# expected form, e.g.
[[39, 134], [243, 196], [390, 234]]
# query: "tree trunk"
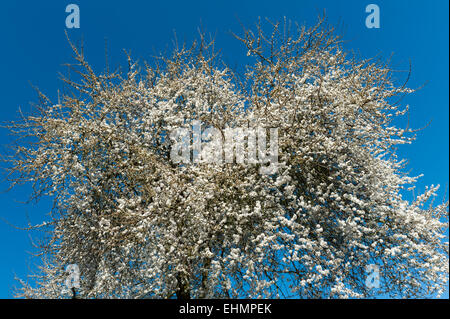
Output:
[[183, 290]]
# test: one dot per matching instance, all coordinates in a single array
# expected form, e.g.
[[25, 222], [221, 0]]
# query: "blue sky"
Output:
[[34, 48]]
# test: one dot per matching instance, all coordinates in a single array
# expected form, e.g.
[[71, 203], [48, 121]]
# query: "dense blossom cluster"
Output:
[[139, 225]]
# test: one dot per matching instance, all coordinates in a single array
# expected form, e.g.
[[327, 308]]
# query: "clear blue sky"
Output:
[[34, 47]]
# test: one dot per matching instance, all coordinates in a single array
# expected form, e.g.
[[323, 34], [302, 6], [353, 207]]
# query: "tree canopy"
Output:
[[139, 225]]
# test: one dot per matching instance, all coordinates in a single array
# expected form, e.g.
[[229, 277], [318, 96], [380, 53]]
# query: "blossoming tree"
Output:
[[139, 225]]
